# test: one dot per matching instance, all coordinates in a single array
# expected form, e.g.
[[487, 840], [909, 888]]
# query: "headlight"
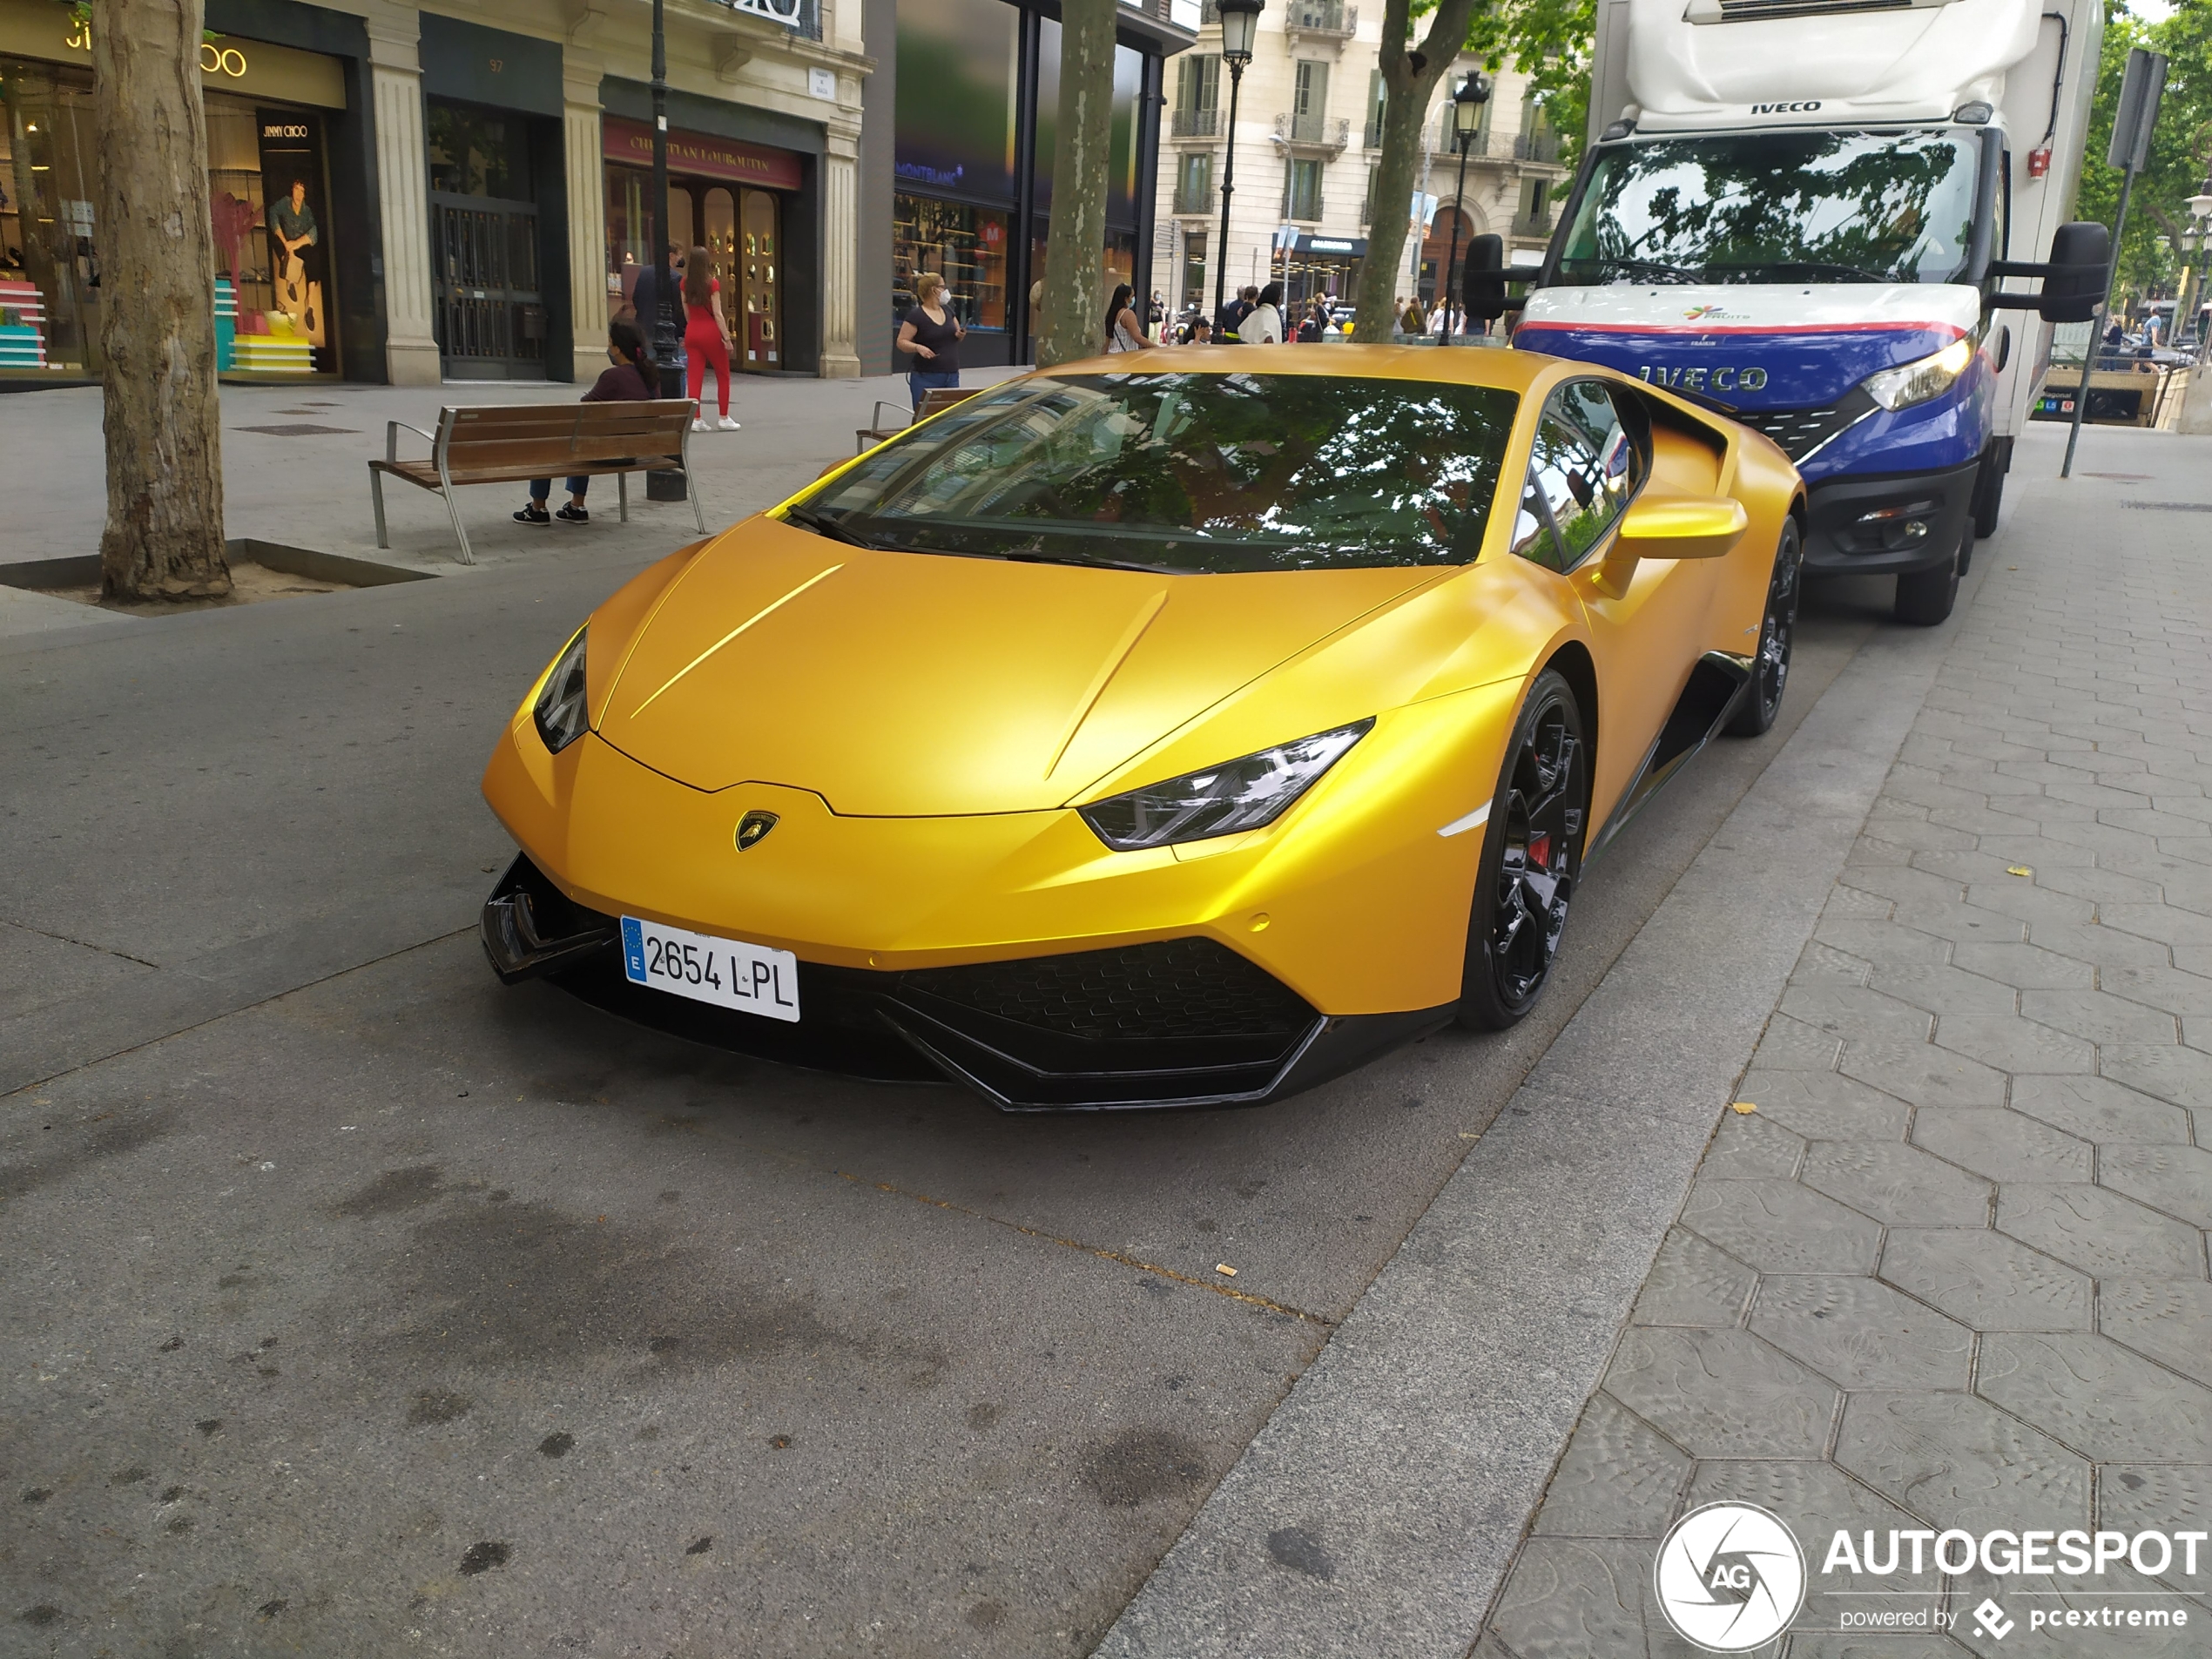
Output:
[[560, 711], [1221, 800], [1915, 382]]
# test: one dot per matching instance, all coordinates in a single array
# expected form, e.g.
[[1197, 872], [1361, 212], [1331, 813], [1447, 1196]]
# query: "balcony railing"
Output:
[[1317, 130], [1535, 146], [1321, 17], [1373, 138], [1209, 13], [1193, 198], [1194, 124], [1490, 146]]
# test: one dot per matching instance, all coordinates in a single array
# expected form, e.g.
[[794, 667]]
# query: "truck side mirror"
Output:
[[2074, 287], [1482, 286]]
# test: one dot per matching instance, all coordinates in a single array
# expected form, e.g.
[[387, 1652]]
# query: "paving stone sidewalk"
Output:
[[1952, 1271]]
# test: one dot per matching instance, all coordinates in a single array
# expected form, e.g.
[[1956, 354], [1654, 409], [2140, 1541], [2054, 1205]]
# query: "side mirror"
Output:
[[1482, 286], [2074, 287], [1661, 526]]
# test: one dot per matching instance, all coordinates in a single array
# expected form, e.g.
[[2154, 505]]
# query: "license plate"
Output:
[[726, 972]]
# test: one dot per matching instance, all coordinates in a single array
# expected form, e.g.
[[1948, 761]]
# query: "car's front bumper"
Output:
[[1839, 543], [1171, 1022]]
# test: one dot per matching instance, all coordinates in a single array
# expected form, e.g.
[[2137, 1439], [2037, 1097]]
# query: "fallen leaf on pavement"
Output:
[[1743, 1106], [1225, 1269]]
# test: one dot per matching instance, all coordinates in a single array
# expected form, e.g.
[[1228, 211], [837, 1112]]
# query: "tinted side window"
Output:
[[1584, 468]]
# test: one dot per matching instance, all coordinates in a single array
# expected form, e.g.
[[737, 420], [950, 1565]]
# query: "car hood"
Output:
[[897, 684]]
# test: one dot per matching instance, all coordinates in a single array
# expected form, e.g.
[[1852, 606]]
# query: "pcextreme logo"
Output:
[[1729, 1577]]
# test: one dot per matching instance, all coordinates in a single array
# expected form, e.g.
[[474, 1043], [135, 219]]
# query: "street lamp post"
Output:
[[660, 328], [1239, 22], [2199, 206], [1467, 100]]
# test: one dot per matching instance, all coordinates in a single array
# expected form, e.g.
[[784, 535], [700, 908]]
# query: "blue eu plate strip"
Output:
[[633, 950]]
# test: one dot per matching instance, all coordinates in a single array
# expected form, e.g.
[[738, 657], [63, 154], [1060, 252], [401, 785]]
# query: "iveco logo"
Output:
[[1726, 378], [753, 828], [1806, 108]]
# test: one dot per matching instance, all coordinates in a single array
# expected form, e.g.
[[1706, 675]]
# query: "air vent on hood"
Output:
[[1759, 11]]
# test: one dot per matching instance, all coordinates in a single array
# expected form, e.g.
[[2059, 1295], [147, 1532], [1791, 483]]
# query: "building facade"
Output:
[[1308, 136], [958, 145], [416, 196]]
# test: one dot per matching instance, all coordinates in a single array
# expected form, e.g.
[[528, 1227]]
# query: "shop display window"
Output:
[[268, 212], [742, 232], [966, 245]]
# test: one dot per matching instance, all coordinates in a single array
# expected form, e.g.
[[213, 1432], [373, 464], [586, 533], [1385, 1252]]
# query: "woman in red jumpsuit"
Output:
[[706, 338]]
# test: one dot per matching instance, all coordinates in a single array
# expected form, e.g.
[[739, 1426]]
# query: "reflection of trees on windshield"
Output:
[[1777, 207], [1194, 472]]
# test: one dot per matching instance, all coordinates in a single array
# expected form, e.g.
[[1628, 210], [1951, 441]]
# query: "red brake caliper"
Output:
[[1539, 850]]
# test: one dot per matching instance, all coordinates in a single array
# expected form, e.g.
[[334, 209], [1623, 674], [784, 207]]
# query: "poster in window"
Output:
[[296, 218]]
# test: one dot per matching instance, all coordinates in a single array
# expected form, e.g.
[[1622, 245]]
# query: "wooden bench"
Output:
[[513, 442], [935, 399]]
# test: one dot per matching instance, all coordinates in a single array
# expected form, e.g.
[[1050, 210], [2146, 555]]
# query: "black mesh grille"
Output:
[[1799, 432], [1177, 987], [1750, 10]]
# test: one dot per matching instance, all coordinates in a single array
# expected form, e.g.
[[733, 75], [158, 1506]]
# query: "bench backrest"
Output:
[[547, 436], [939, 398]]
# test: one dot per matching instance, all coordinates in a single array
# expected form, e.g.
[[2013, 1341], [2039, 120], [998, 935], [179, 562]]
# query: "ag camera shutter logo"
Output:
[[1729, 1577]]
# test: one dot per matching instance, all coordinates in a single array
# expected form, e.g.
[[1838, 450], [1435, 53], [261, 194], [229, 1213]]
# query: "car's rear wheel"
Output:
[[1531, 854], [1925, 598], [1778, 632]]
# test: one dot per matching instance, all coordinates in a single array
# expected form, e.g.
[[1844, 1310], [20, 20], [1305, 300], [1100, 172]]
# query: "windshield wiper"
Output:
[[1102, 564], [1652, 267], [821, 525], [1810, 270]]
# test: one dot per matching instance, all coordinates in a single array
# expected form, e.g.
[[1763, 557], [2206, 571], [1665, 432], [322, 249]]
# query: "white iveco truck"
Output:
[[1817, 215]]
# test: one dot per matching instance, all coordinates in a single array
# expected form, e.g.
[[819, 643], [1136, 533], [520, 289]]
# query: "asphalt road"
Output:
[[358, 1306]]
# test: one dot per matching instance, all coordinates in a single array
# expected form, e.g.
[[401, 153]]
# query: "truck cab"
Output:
[[1806, 213]]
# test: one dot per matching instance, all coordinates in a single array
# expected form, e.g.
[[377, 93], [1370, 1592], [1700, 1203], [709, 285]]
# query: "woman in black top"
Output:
[[930, 336], [630, 381]]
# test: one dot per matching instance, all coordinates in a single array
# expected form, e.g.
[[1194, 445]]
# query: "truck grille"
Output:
[[1799, 432], [1757, 11]]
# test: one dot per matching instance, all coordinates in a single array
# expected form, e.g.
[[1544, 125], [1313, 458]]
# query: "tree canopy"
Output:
[[2181, 149]]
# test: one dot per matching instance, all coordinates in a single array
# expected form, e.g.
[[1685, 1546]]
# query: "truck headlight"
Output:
[[562, 711], [1917, 382], [1238, 795]]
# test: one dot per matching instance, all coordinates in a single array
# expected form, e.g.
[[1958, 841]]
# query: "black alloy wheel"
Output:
[[1532, 854], [1761, 700], [1925, 598]]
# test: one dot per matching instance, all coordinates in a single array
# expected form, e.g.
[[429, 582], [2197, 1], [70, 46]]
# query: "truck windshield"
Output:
[[1807, 206]]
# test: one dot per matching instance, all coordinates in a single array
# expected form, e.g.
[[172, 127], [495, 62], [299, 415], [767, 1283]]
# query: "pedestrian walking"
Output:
[[1123, 332], [1410, 320], [706, 338], [1263, 325], [1233, 314], [632, 378], [930, 334]]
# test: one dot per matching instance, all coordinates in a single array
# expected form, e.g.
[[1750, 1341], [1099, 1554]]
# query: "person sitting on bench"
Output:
[[630, 379]]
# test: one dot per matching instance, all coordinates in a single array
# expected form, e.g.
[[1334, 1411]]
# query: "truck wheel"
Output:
[[1925, 598], [1778, 630]]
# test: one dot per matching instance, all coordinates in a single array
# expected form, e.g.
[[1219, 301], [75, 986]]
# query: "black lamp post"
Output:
[[1239, 22], [659, 329], [1467, 100]]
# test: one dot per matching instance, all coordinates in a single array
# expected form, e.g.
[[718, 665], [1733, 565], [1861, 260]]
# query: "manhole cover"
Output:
[[296, 430]]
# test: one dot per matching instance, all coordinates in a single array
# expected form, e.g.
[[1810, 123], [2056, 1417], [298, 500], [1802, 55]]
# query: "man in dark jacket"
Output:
[[1233, 314]]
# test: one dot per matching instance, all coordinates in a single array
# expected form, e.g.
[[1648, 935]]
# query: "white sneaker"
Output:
[[701, 426], [727, 424]]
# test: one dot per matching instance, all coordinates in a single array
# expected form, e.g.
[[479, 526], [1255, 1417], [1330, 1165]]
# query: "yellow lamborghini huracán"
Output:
[[1161, 731]]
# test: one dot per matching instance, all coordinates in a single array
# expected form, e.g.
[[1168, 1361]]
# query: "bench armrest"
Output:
[[392, 430], [875, 420]]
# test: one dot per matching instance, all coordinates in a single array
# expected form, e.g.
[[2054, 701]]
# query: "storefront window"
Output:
[[956, 97], [966, 245], [268, 210]]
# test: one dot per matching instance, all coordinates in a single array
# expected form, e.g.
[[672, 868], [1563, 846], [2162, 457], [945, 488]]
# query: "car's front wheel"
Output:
[[1777, 632], [1531, 854]]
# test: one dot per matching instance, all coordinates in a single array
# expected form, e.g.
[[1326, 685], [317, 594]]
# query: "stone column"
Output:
[[395, 71], [840, 255], [580, 74]]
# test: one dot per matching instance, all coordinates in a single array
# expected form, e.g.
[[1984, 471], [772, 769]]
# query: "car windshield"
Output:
[[1187, 473], [1775, 207]]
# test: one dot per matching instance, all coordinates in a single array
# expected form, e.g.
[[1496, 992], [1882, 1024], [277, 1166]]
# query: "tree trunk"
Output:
[[164, 538], [1073, 320], [1410, 79]]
